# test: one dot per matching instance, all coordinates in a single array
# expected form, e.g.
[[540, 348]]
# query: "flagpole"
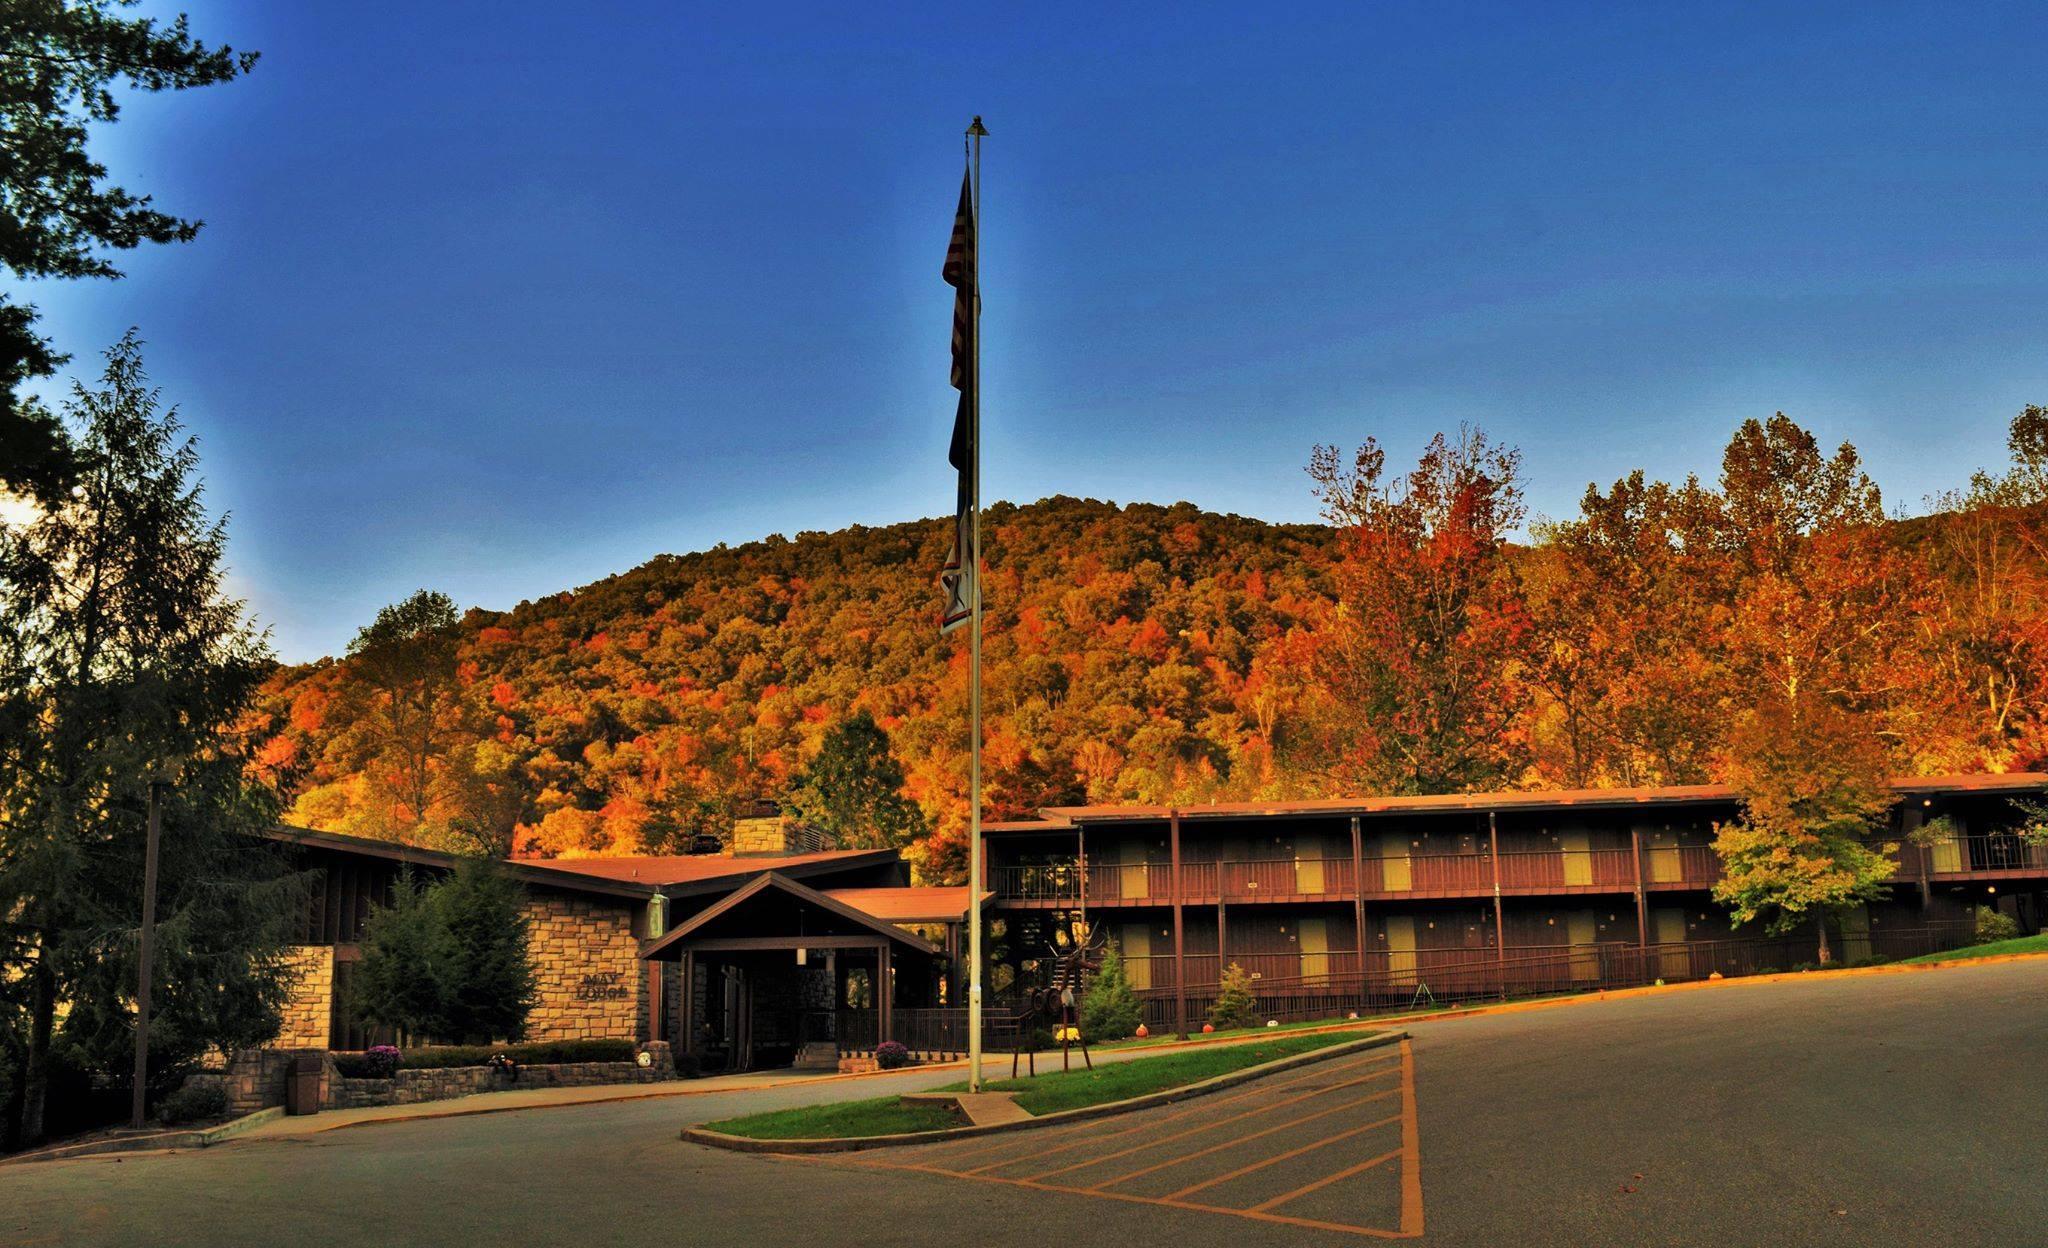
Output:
[[974, 866]]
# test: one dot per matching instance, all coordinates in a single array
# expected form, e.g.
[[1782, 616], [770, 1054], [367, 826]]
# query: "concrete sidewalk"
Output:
[[539, 1098]]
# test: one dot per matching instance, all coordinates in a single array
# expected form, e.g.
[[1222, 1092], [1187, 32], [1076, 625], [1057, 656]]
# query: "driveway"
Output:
[[1873, 1110]]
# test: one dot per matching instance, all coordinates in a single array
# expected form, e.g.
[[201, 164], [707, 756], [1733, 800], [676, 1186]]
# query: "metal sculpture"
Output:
[[1060, 1000]]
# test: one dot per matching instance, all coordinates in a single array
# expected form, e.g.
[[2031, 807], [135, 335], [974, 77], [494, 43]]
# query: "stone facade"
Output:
[[589, 979], [309, 1014]]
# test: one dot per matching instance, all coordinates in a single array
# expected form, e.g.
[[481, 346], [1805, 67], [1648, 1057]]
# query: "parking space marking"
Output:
[[1211, 1126], [1290, 1155], [1081, 1134], [1408, 1222], [1237, 1140]]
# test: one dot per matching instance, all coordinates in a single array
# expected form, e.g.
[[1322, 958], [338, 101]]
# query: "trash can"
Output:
[[302, 1085]]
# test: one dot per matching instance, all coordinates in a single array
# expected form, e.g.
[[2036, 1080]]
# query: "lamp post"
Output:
[[145, 952]]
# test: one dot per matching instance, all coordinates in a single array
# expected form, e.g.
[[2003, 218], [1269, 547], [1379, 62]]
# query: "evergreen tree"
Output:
[[60, 61], [1110, 1010], [490, 985], [1235, 1005], [853, 789], [408, 954], [448, 960], [122, 660]]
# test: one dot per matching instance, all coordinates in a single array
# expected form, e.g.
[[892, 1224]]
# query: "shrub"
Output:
[[1235, 1006], [891, 1055], [1110, 1010], [195, 1102], [1991, 925]]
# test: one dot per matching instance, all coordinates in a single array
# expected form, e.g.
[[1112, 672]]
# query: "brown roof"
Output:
[[668, 870], [776, 881], [1057, 817], [919, 904], [543, 873]]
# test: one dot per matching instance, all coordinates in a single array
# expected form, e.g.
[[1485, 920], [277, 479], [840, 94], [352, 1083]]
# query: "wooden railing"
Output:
[[1689, 866], [929, 1034], [1395, 982]]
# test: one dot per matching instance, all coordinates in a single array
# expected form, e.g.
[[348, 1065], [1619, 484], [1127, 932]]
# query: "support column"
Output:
[[1358, 904], [1081, 852], [885, 988], [1180, 983], [1222, 938], [1635, 837], [1910, 822], [688, 1021], [1500, 925]]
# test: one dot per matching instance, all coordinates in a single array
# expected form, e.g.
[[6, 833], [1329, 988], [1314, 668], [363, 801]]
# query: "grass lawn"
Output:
[[883, 1115], [1115, 1081], [2024, 944]]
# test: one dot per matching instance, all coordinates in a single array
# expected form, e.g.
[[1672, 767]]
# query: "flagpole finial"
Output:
[[977, 129]]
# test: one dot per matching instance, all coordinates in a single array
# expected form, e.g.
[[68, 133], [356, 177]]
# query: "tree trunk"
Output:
[[1820, 924], [36, 1069]]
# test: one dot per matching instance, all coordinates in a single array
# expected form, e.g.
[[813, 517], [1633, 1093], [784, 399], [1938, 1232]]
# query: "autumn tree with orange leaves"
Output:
[[1413, 662]]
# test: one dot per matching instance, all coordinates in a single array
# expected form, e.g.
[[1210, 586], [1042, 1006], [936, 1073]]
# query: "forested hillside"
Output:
[[1122, 660], [1669, 633]]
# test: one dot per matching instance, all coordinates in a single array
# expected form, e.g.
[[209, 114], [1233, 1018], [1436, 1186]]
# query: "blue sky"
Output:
[[503, 298]]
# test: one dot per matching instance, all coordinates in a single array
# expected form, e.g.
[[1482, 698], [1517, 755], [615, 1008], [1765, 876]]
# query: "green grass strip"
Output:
[[1121, 1080], [882, 1115], [2024, 944]]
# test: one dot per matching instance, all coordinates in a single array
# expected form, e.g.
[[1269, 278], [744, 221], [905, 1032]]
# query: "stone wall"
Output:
[[309, 1013], [589, 979], [255, 1078], [410, 1087]]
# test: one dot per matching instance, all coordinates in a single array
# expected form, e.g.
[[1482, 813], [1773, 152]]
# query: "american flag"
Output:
[[960, 577]]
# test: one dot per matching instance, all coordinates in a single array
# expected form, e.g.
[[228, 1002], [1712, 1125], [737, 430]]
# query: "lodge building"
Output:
[[780, 951]]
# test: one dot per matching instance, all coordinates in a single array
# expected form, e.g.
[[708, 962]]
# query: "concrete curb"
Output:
[[1694, 985], [744, 1144], [153, 1141]]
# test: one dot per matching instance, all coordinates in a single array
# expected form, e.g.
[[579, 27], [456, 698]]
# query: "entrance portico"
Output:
[[777, 967]]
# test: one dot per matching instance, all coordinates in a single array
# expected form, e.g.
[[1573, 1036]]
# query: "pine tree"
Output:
[[1235, 1005], [449, 960], [58, 215], [402, 981], [853, 789], [490, 984], [1110, 1010], [122, 661]]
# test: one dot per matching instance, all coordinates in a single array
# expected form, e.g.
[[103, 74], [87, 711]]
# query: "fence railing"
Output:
[[1398, 981], [929, 1034]]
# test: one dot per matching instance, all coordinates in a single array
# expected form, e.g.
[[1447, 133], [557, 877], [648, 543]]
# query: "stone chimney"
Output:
[[765, 832]]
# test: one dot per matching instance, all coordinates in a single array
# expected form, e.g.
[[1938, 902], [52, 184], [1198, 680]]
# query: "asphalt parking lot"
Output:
[[1890, 1111], [1331, 1147]]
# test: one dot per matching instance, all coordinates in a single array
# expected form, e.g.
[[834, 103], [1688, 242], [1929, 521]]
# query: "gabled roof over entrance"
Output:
[[776, 912]]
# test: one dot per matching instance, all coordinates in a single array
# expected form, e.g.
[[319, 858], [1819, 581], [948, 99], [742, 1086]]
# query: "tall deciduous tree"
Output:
[[1817, 613], [1414, 660], [1813, 781], [404, 667], [853, 789], [121, 659], [61, 62]]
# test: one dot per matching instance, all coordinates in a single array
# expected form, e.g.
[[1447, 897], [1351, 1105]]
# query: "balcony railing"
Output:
[[1684, 866], [1391, 982]]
